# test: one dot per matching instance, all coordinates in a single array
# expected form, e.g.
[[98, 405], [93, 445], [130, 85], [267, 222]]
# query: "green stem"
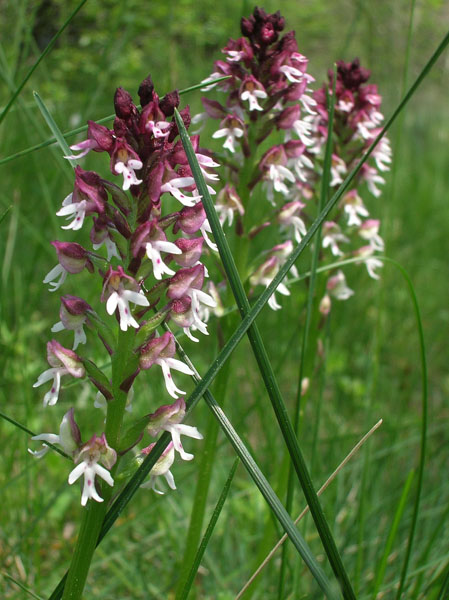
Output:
[[92, 520], [94, 512]]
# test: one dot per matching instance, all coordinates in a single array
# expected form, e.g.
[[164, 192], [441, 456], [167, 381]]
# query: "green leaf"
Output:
[[144, 333], [392, 535], [104, 331], [98, 378]]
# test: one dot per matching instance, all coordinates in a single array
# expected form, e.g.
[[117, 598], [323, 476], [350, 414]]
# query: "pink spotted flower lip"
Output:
[[94, 451], [121, 289], [168, 418], [160, 351]]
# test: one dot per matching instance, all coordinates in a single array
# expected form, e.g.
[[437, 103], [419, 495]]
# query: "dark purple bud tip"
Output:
[[169, 102], [146, 91], [123, 104]]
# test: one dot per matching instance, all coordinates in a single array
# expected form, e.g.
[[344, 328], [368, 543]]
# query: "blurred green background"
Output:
[[373, 367]]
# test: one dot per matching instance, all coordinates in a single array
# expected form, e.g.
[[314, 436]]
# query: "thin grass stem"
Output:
[[325, 485], [46, 50]]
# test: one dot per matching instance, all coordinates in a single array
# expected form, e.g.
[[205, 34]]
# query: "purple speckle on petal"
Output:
[[89, 482], [158, 261], [169, 376], [53, 390], [126, 311]]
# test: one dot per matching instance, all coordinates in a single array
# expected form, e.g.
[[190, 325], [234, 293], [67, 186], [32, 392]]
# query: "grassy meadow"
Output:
[[369, 368]]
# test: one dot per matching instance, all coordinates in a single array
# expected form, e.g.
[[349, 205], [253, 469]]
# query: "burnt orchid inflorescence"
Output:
[[274, 131], [151, 230]]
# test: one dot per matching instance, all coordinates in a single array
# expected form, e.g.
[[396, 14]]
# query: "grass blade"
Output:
[[392, 535], [5, 213], [47, 49], [22, 586], [444, 591], [266, 369], [207, 535], [53, 127]]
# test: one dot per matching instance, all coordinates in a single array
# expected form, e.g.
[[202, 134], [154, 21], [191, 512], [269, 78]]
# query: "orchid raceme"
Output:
[[270, 92], [152, 256]]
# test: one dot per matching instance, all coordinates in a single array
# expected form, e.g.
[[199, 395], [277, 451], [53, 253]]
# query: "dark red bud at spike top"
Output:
[[169, 102], [123, 104], [145, 92]]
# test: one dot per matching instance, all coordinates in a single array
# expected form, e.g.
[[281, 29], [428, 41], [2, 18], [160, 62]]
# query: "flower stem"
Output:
[[92, 520], [94, 512]]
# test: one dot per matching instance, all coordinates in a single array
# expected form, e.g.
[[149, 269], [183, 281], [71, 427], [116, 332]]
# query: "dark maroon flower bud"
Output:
[[185, 280], [294, 148], [288, 116], [185, 116], [146, 91], [102, 136], [123, 104], [89, 186], [169, 102], [247, 26], [262, 29], [352, 75], [294, 91], [121, 224], [120, 128], [154, 182], [161, 347]]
